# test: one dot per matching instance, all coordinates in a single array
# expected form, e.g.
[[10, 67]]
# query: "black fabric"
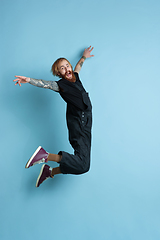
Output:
[[79, 123], [71, 92]]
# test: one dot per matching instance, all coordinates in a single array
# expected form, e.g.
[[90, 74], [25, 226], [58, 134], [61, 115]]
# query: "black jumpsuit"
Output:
[[79, 123]]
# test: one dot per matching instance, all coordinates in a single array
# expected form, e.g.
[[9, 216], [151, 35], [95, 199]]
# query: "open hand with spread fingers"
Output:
[[21, 79], [87, 52]]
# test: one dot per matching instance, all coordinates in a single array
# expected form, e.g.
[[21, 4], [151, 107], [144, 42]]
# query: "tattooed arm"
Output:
[[86, 54], [79, 64], [44, 84], [37, 82]]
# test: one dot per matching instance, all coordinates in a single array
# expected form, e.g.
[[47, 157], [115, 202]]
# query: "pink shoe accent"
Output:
[[39, 156], [45, 173]]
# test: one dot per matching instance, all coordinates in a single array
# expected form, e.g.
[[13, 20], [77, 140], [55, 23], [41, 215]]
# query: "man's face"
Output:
[[65, 70]]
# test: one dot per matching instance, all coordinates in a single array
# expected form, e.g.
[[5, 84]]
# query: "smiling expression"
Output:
[[65, 70]]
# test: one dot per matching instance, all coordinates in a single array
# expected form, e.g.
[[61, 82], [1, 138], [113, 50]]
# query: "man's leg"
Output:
[[54, 157], [55, 171]]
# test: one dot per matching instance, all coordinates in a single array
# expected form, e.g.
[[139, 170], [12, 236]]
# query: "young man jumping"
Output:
[[79, 120]]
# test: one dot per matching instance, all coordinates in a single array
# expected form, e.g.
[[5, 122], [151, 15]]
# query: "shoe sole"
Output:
[[29, 161], [40, 174]]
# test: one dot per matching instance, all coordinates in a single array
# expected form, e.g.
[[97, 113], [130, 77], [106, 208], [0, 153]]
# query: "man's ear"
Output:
[[59, 75]]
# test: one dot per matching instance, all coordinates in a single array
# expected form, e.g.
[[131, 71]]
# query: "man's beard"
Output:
[[72, 79]]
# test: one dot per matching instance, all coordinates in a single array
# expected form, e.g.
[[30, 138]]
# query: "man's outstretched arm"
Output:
[[86, 54], [37, 82]]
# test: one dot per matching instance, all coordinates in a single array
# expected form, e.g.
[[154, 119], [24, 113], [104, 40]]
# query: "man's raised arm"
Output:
[[86, 54]]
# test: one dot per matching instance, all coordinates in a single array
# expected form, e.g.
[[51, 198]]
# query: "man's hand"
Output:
[[21, 79], [87, 52]]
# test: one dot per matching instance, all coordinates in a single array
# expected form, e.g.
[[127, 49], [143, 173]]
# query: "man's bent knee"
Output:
[[84, 169]]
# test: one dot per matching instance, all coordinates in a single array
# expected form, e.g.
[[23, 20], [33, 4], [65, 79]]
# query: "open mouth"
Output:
[[68, 74]]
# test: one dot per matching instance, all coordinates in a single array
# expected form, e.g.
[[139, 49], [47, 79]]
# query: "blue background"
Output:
[[119, 198]]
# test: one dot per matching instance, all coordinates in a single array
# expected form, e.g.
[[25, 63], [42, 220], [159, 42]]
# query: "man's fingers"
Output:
[[91, 56], [18, 82], [20, 77], [91, 49]]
